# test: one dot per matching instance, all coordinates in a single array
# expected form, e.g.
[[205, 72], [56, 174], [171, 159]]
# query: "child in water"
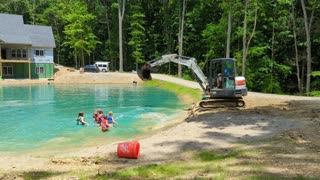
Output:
[[98, 116], [110, 119], [81, 120], [104, 124]]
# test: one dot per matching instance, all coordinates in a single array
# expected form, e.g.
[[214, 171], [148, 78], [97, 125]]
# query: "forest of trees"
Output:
[[276, 42]]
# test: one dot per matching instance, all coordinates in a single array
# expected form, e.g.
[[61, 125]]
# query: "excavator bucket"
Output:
[[145, 72]]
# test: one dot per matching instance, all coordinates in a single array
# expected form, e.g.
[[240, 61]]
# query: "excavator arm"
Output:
[[190, 62]]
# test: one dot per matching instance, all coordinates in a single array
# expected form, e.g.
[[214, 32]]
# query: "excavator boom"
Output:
[[190, 62]]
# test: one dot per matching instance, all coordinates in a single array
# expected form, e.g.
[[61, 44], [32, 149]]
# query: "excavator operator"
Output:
[[219, 81]]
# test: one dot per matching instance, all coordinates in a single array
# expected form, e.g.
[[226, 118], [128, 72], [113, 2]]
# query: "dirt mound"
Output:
[[70, 75]]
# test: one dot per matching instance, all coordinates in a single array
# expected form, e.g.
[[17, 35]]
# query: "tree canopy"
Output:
[[275, 42]]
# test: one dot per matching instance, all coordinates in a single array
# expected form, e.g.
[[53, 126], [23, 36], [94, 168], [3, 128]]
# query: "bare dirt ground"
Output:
[[285, 128]]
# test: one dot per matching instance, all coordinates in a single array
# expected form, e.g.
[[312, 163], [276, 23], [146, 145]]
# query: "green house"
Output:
[[26, 51]]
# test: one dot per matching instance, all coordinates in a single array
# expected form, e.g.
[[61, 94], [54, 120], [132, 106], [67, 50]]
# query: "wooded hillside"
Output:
[[276, 43]]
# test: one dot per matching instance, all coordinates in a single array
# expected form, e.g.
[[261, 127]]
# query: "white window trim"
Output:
[[13, 53], [39, 50], [39, 70], [7, 70], [22, 55]]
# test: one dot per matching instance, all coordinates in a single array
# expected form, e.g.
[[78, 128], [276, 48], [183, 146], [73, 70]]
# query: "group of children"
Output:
[[104, 121]]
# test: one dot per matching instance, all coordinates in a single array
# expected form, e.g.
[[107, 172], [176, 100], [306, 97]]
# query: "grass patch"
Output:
[[215, 156], [34, 175], [257, 177], [147, 172], [193, 94]]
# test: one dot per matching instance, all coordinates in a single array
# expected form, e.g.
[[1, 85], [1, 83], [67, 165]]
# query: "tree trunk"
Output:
[[82, 57], [167, 26], [303, 69], [296, 53], [34, 12], [109, 36], [167, 29], [58, 41], [75, 58], [245, 43], [180, 36], [307, 24], [121, 9], [244, 39], [229, 32], [272, 57]]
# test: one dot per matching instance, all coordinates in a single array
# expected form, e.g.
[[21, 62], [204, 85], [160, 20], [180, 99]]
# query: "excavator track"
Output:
[[219, 103]]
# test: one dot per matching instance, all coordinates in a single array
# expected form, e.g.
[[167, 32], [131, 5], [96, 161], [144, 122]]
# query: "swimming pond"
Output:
[[37, 116]]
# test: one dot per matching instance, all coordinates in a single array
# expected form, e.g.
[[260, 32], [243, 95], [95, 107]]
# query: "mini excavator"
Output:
[[222, 88]]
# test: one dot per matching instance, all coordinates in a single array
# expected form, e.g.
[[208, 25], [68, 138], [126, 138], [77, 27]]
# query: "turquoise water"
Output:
[[37, 116]]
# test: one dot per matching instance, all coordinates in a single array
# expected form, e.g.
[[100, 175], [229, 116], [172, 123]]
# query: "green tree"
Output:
[[106, 30], [53, 15], [182, 10], [121, 11], [308, 20], [137, 32], [21, 7], [79, 34], [247, 40]]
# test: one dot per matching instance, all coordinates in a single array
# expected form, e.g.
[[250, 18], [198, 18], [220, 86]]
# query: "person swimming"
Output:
[[110, 119], [81, 120], [98, 116], [104, 125]]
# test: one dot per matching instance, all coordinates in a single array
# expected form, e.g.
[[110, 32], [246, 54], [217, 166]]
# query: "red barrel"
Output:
[[129, 150]]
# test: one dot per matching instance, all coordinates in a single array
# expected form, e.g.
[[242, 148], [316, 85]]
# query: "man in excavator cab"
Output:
[[219, 81]]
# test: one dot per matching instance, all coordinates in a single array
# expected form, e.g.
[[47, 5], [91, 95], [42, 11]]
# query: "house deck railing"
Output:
[[15, 61]]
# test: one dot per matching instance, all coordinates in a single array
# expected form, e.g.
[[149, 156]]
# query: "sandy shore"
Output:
[[264, 116]]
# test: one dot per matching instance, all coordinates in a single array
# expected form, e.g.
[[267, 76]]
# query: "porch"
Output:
[[13, 55]]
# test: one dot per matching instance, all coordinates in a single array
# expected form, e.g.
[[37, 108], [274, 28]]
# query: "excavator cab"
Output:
[[222, 74]]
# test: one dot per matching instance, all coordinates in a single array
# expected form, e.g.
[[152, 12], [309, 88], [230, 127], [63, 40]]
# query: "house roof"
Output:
[[14, 31], [40, 35]]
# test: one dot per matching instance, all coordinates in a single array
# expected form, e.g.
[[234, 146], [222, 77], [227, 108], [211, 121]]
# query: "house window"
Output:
[[7, 70], [24, 53], [39, 70], [19, 53], [13, 53], [39, 52]]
